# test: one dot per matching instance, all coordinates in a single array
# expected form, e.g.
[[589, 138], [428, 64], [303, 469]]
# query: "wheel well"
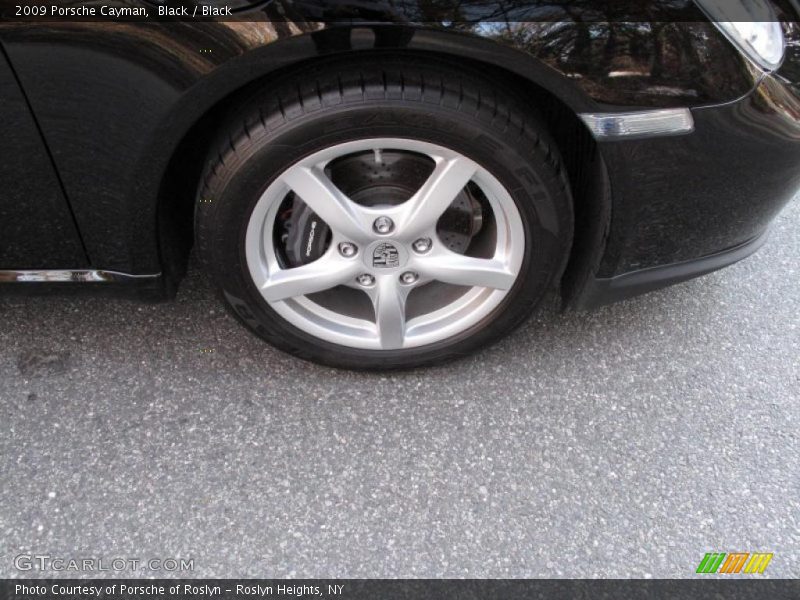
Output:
[[584, 165]]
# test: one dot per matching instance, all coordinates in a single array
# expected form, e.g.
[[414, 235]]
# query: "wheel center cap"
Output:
[[385, 255]]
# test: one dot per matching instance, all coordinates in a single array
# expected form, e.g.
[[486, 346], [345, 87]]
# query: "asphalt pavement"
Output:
[[627, 442]]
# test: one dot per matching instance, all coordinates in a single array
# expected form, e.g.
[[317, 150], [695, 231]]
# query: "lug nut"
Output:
[[347, 249], [409, 277], [365, 279], [422, 245], [383, 225]]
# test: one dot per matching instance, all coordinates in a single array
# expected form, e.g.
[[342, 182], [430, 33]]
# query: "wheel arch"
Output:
[[556, 97]]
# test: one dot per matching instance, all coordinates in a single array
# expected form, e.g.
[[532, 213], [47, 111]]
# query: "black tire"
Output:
[[336, 101]]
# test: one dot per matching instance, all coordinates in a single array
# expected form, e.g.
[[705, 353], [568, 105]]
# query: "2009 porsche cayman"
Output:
[[384, 184]]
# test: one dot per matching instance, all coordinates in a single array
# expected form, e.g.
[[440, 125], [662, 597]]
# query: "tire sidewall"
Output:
[[516, 160]]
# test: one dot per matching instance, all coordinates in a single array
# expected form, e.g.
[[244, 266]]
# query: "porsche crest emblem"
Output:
[[385, 256]]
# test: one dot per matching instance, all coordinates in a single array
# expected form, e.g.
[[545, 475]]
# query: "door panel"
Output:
[[36, 228]]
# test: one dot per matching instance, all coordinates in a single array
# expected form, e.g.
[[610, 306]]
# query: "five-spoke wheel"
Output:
[[388, 246], [373, 213]]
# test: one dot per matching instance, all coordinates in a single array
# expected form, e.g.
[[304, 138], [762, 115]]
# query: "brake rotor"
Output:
[[379, 178]]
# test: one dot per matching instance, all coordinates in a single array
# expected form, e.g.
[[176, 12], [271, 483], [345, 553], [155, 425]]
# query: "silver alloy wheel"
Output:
[[485, 281]]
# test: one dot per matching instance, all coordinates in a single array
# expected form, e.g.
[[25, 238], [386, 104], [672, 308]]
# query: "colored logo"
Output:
[[735, 562]]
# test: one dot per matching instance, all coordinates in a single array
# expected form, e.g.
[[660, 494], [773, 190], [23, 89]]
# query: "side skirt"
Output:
[[599, 292]]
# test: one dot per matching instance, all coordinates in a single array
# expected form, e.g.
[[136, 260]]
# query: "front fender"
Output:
[[115, 100]]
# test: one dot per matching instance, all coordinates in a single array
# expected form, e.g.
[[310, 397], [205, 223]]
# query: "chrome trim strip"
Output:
[[639, 124], [69, 276]]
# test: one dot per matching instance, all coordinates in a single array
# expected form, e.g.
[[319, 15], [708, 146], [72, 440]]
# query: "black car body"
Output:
[[107, 125]]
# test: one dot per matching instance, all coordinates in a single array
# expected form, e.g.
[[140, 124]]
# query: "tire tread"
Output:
[[337, 83]]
